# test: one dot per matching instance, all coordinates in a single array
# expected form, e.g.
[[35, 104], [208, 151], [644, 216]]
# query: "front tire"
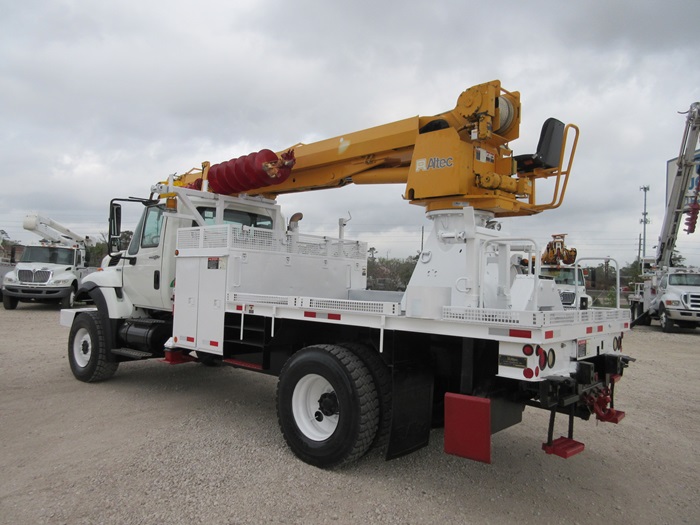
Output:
[[69, 300], [10, 303], [89, 358], [666, 322], [327, 406]]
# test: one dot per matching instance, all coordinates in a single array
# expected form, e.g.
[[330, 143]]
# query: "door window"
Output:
[[147, 234]]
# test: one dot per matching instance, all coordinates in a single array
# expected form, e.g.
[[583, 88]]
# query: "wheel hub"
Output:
[[315, 407], [328, 404], [82, 348]]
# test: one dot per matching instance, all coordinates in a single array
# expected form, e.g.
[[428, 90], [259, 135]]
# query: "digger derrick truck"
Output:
[[558, 264], [672, 294], [215, 275], [51, 270]]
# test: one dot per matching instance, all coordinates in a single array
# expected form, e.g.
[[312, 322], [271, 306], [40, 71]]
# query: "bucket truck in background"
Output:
[[214, 274], [50, 270], [7, 257], [672, 294], [558, 264]]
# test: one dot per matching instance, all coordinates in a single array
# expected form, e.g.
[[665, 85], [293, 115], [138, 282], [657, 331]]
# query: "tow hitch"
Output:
[[602, 404]]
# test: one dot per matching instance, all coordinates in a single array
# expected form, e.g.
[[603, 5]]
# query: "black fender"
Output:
[[109, 325]]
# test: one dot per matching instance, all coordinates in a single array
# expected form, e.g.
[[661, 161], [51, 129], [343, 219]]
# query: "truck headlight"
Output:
[[672, 302], [9, 279], [61, 282]]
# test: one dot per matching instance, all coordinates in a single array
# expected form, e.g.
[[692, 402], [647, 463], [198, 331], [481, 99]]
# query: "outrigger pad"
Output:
[[176, 357], [615, 417], [564, 447], [468, 427]]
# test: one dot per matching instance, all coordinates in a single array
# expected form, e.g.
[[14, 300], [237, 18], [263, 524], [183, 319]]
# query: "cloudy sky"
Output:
[[102, 99]]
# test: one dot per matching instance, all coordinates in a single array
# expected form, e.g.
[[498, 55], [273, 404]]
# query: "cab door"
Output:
[[144, 283]]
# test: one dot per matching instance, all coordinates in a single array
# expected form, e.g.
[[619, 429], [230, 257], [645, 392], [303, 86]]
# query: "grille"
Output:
[[694, 300], [567, 297], [37, 276]]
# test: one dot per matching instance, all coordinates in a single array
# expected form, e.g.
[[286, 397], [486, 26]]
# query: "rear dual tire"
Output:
[[327, 405]]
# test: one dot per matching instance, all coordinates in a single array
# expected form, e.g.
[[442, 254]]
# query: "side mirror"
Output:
[[115, 226], [115, 220]]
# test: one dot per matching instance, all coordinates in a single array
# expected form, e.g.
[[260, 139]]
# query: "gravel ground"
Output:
[[189, 444]]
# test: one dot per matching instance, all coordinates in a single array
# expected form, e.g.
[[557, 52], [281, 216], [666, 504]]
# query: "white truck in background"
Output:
[[50, 270], [7, 258], [672, 294], [558, 264]]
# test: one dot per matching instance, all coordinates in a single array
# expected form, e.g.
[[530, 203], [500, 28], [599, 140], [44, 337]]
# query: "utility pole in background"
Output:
[[644, 220], [639, 250]]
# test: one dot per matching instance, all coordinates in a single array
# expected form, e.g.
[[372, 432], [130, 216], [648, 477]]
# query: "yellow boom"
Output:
[[457, 158]]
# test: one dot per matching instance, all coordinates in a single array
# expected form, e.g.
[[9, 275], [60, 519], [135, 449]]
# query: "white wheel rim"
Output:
[[305, 407], [82, 348]]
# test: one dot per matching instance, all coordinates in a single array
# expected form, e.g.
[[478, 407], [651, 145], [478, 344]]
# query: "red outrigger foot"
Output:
[[615, 417], [177, 357], [563, 447]]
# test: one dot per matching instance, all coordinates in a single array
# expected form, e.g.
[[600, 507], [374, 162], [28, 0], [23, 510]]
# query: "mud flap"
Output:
[[470, 421], [468, 427], [412, 407]]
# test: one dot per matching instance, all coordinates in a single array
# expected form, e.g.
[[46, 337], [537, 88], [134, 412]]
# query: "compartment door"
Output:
[[212, 300], [186, 301]]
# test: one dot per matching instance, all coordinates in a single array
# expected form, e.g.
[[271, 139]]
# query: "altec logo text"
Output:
[[433, 163]]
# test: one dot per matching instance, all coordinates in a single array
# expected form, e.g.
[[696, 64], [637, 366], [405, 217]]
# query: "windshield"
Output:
[[563, 275], [684, 279], [48, 254]]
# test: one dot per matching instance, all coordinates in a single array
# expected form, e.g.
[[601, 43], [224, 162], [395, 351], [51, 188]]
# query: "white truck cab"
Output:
[[50, 270], [571, 284], [47, 272], [677, 299]]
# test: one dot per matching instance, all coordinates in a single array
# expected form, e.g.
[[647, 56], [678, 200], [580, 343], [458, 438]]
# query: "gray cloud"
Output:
[[103, 99]]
